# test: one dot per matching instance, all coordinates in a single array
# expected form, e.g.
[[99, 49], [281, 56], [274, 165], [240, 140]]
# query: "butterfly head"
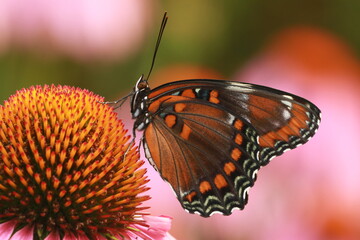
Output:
[[139, 103]]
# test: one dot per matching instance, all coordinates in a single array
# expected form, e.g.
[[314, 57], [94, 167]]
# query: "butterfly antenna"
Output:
[[122, 100], [162, 28]]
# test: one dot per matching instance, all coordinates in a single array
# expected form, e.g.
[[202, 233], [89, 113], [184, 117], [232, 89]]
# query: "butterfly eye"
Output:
[[142, 85]]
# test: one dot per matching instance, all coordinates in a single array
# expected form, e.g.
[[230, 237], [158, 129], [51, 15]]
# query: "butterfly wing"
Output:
[[208, 138], [196, 152]]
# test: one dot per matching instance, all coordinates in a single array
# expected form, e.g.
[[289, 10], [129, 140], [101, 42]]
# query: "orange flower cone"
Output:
[[63, 173]]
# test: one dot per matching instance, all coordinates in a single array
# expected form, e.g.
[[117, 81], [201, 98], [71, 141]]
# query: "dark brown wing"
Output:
[[209, 157], [208, 138]]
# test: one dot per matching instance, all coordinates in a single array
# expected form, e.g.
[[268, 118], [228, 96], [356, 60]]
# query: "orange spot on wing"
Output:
[[185, 132], [190, 196], [220, 181], [236, 154], [204, 186], [238, 124], [153, 107], [179, 107], [214, 97], [169, 88], [238, 139], [229, 167], [170, 120], [214, 93], [188, 93]]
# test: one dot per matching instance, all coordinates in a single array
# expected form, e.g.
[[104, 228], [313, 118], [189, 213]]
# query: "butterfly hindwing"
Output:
[[209, 157]]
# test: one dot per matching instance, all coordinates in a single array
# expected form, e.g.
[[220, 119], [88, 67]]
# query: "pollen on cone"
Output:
[[62, 165]]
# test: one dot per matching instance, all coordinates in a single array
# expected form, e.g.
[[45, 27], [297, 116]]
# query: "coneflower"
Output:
[[64, 173]]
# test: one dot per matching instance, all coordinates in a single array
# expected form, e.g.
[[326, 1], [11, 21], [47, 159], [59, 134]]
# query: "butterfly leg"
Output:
[[121, 101], [131, 143]]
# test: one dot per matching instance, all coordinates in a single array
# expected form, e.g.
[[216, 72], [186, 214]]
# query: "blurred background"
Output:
[[310, 48]]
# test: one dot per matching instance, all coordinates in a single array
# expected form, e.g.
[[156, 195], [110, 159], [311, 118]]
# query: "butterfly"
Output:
[[208, 138]]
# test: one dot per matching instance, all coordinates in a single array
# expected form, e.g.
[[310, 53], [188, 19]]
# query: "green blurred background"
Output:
[[219, 34]]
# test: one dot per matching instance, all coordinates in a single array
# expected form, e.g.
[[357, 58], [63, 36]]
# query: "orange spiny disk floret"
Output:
[[62, 158]]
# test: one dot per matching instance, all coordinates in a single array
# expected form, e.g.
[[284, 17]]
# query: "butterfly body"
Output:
[[209, 138]]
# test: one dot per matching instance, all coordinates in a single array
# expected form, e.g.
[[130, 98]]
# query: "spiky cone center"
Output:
[[62, 164]]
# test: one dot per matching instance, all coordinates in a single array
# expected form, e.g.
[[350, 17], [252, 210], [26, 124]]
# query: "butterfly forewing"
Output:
[[208, 138], [206, 154]]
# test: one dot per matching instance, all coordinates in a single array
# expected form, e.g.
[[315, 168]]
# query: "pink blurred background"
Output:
[[309, 193]]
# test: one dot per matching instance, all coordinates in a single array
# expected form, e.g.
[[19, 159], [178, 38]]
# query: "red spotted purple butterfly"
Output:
[[208, 138]]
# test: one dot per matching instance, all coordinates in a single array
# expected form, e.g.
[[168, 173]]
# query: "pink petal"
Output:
[[6, 229], [160, 222], [169, 237], [53, 236], [69, 236], [80, 236], [25, 233], [157, 230]]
